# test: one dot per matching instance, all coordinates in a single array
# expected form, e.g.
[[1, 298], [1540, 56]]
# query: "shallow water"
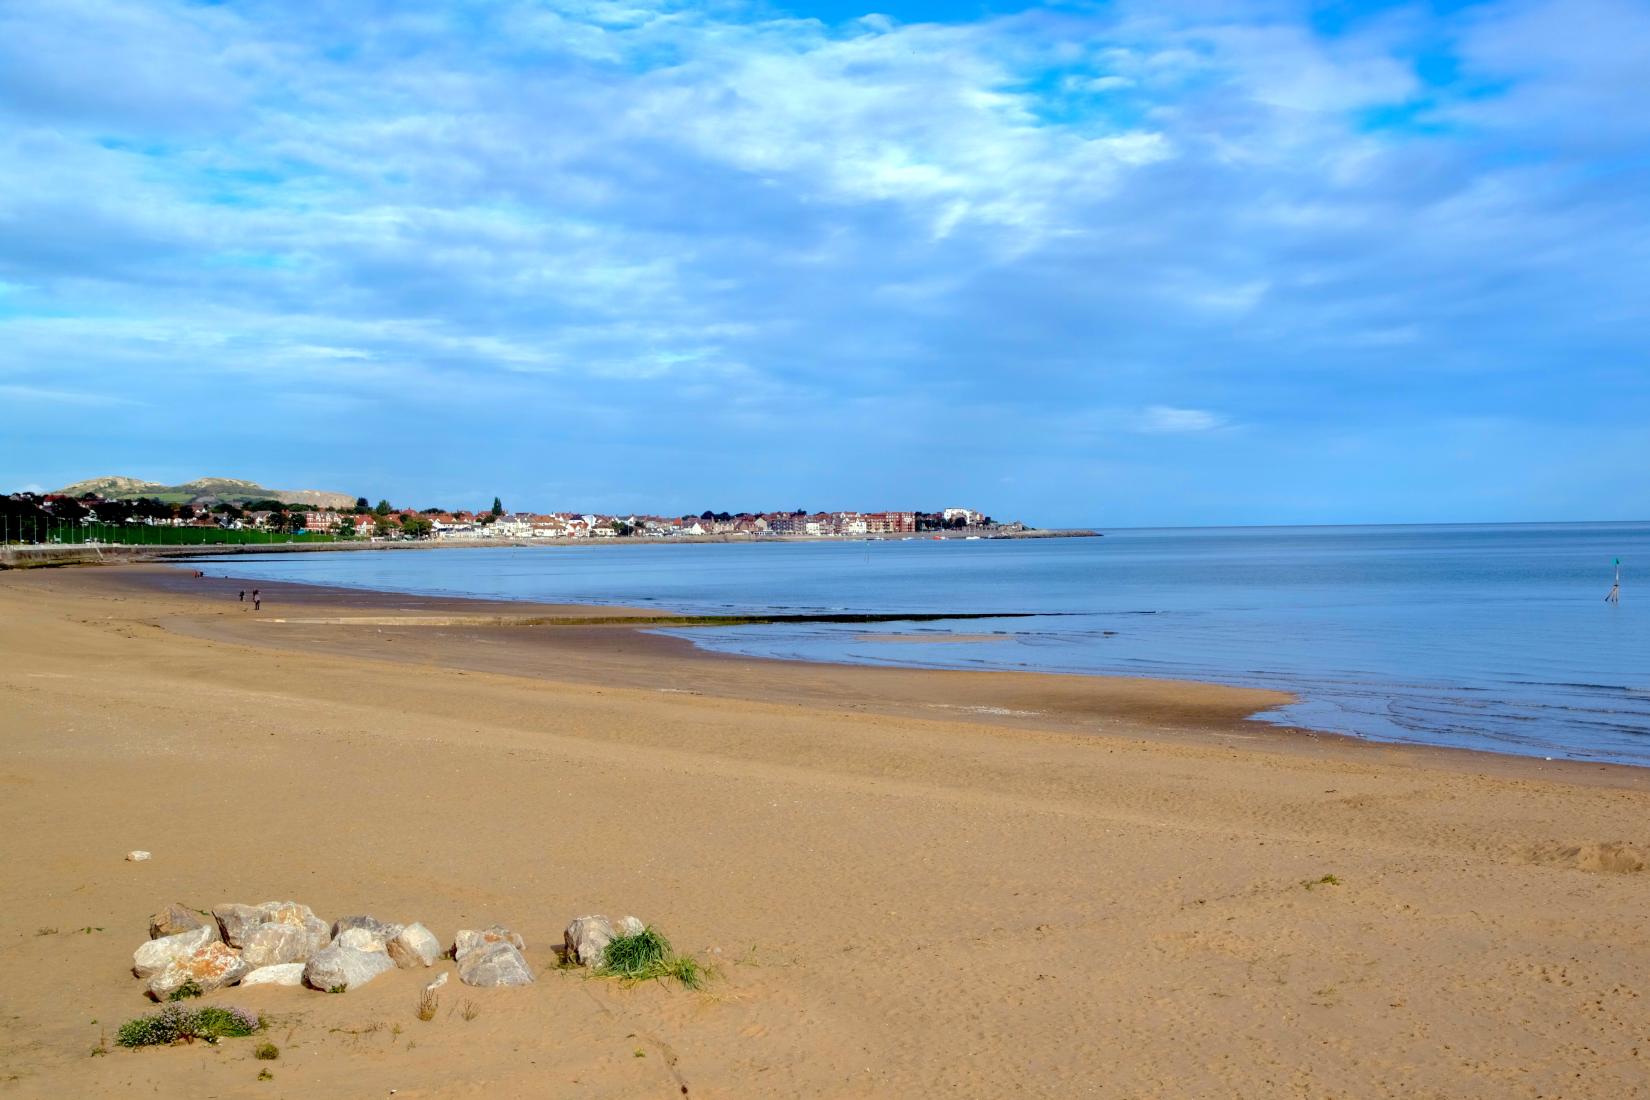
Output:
[[1488, 637]]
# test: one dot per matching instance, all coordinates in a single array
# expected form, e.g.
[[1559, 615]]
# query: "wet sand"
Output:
[[912, 883]]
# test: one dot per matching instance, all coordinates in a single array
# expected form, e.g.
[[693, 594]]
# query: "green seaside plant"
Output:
[[648, 955], [177, 1023]]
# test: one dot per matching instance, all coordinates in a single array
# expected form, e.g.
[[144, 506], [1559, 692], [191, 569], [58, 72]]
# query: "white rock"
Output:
[[338, 966], [137, 856], [279, 974], [361, 939], [154, 956], [415, 946], [212, 967], [586, 939], [291, 912], [238, 921], [272, 944], [629, 926], [469, 939], [285, 912], [440, 980], [319, 932], [497, 964]]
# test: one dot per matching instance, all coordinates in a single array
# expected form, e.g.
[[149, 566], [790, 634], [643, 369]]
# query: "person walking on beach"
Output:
[[256, 602], [243, 595]]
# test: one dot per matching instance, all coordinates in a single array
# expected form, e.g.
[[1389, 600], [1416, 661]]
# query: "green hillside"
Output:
[[205, 490]]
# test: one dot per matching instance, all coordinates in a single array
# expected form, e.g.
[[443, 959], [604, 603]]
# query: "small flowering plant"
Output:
[[177, 1023]]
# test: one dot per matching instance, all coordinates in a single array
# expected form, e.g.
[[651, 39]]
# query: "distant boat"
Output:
[[972, 538]]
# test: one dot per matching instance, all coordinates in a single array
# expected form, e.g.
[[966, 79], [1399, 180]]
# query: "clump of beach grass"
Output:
[[428, 1001], [647, 955], [178, 1024]]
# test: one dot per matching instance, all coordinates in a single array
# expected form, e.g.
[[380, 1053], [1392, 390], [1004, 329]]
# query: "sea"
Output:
[[1489, 637]]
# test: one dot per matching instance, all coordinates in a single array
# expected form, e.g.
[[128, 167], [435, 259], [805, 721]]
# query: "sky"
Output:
[[1172, 262]]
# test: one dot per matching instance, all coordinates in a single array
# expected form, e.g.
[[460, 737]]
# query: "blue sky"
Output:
[[1168, 262]]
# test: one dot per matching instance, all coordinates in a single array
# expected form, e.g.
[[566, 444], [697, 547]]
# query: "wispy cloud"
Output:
[[1168, 420], [37, 395]]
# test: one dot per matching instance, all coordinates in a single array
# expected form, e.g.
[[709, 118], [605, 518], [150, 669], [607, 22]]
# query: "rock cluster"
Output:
[[285, 943], [274, 943]]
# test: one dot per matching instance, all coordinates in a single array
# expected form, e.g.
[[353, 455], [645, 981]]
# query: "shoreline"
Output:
[[618, 646], [585, 628], [491, 612], [1133, 893], [36, 556]]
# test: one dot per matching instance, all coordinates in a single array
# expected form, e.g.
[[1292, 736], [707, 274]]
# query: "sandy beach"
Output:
[[910, 883]]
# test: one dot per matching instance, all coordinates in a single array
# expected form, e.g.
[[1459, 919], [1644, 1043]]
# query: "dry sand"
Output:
[[913, 884]]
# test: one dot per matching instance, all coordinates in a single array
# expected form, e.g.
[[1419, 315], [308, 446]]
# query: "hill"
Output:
[[204, 490]]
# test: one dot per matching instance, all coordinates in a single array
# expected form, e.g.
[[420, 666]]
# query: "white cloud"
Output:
[[45, 396], [1168, 420]]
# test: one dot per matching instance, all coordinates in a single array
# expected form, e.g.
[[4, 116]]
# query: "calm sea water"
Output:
[[1487, 637]]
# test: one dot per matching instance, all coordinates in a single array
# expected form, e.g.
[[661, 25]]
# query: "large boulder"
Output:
[[238, 921], [318, 931], [175, 918], [340, 967], [279, 974], [212, 967], [271, 944], [586, 939], [470, 939], [156, 955], [497, 964], [415, 946]]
